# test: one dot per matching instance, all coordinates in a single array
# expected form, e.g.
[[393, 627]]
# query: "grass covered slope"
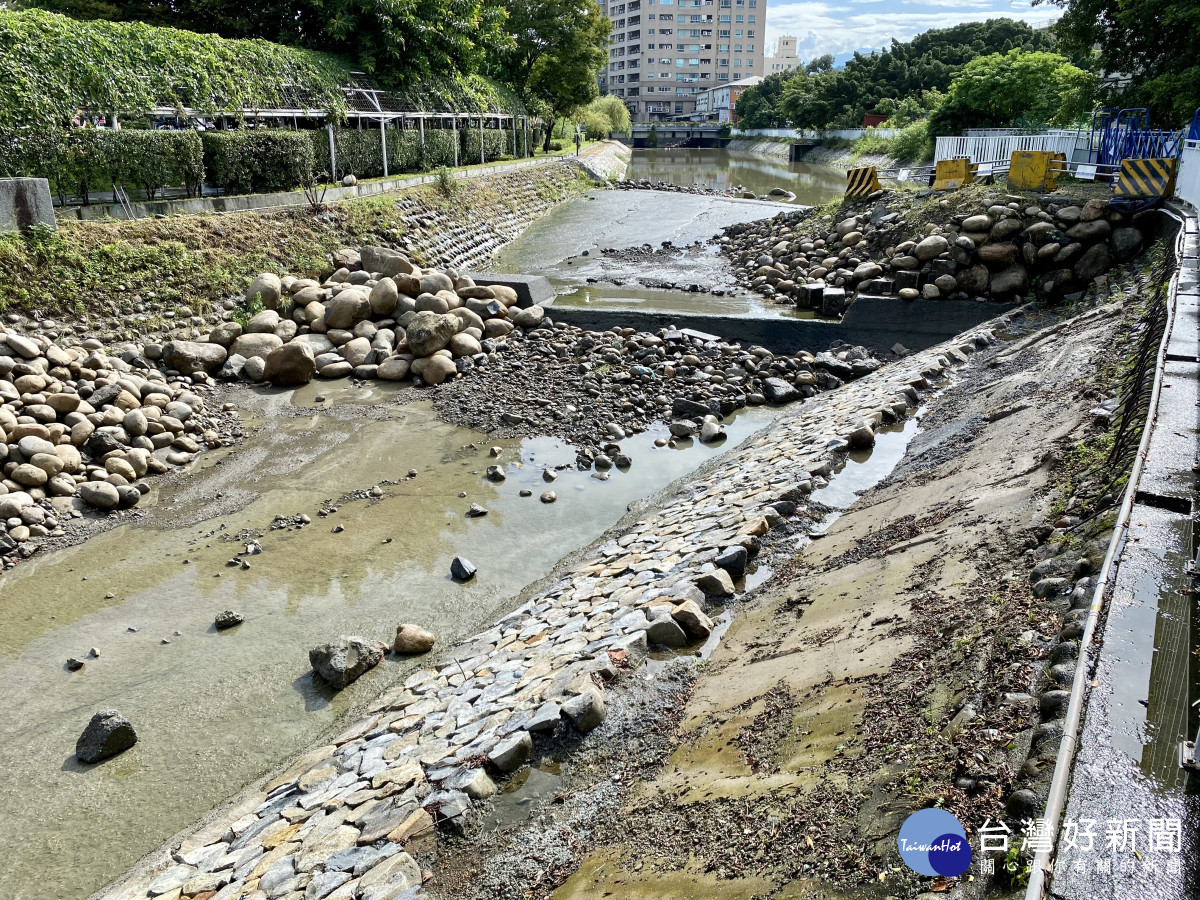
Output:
[[115, 269]]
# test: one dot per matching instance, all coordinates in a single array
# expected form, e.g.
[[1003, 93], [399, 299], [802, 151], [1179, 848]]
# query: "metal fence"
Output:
[[1002, 147]]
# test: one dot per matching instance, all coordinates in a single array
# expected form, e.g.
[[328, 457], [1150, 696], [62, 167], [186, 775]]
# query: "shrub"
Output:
[[913, 143], [85, 159], [556, 146], [258, 161]]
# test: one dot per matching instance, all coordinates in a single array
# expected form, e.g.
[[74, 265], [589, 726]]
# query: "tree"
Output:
[[399, 42], [821, 96], [1154, 42], [998, 89], [757, 107], [555, 51]]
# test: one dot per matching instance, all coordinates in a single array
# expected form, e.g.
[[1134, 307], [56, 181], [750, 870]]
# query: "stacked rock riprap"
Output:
[[1003, 248], [79, 424]]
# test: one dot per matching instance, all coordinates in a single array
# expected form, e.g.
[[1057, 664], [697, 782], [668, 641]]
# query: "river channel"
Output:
[[215, 711]]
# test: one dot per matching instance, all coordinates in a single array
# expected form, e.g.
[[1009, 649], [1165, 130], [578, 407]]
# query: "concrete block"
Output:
[[25, 202], [532, 290]]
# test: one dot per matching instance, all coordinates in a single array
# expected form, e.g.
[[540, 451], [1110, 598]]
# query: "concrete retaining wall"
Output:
[[874, 322]]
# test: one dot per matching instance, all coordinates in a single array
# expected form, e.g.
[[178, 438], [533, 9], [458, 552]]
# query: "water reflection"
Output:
[[725, 170]]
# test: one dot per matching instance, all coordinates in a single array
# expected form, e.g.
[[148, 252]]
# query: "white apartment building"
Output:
[[664, 52], [784, 58]]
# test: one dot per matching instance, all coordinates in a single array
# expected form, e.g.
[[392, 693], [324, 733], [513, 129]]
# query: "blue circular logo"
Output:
[[932, 842]]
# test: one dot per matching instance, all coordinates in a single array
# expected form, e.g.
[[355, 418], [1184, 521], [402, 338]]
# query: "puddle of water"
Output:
[[333, 393], [214, 711], [863, 469], [726, 169], [523, 794], [635, 297]]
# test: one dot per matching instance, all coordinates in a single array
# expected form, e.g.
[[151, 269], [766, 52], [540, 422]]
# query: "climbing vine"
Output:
[[51, 66]]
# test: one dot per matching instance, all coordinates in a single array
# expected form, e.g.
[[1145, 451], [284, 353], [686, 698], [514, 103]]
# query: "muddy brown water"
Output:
[[216, 711]]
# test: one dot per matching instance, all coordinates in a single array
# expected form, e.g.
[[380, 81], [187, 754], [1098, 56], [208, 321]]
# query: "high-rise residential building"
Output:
[[663, 53], [784, 59]]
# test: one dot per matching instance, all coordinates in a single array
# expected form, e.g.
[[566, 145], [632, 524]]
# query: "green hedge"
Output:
[[240, 161], [361, 152], [258, 162], [88, 159]]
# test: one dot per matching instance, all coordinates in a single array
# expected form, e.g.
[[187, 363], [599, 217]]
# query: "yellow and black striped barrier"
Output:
[[952, 174], [862, 182], [1147, 178]]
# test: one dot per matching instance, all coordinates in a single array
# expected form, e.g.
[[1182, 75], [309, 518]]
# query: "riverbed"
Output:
[[214, 710]]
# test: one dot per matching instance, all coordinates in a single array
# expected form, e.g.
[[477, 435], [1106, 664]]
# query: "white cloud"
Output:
[[822, 28]]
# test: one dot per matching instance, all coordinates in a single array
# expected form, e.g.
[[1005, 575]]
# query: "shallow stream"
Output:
[[213, 710]]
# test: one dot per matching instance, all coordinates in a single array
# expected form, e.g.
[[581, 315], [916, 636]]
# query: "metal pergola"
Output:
[[366, 103]]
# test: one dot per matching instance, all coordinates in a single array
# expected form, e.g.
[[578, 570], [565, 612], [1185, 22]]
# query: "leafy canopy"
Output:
[[51, 65], [821, 97], [399, 41], [1001, 89], [557, 49], [1157, 42]]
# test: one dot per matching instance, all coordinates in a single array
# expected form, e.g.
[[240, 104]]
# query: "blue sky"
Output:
[[841, 27]]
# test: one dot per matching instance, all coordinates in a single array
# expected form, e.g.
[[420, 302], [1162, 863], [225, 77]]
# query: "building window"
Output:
[[749, 48], [750, 20], [722, 48], [739, 19], [737, 63], [723, 62], [738, 34], [725, 21], [750, 33], [724, 32]]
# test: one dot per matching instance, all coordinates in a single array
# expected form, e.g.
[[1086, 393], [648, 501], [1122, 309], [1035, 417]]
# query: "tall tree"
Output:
[[1152, 45], [558, 49], [1002, 88]]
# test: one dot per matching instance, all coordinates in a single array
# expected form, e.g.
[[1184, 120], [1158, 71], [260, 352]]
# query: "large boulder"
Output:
[[292, 364], [343, 660], [997, 254], [1096, 260], [384, 297], [225, 333], [931, 247], [385, 261], [413, 639], [1008, 281], [394, 368], [259, 344], [190, 357], [267, 289], [348, 308], [778, 391], [108, 734], [973, 279], [1089, 232], [530, 317], [437, 369], [264, 322], [430, 332], [432, 282], [1126, 242]]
